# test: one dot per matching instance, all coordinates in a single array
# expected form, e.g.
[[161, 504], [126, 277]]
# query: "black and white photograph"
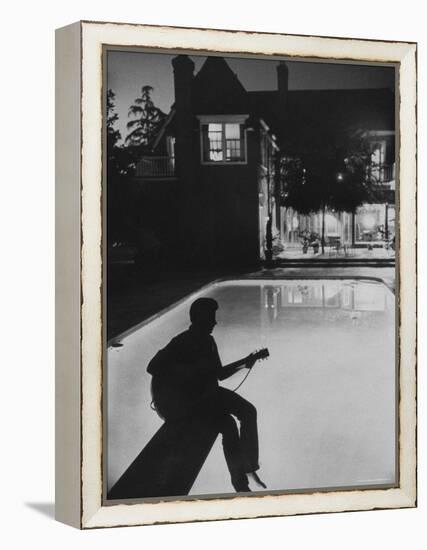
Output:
[[251, 259], [213, 245]]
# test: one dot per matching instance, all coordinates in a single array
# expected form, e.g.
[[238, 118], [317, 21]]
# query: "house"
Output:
[[208, 173], [367, 112], [210, 188]]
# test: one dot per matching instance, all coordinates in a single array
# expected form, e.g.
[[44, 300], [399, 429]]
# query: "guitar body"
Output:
[[169, 397]]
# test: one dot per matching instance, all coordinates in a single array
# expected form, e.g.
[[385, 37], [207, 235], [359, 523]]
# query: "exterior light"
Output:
[[295, 222], [340, 176]]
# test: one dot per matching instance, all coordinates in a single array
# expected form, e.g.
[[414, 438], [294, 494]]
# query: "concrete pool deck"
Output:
[[137, 302], [350, 253]]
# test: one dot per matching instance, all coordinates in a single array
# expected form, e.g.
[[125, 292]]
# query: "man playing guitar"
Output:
[[185, 383]]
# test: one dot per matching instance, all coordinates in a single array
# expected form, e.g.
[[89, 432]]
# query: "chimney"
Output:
[[183, 76], [282, 92]]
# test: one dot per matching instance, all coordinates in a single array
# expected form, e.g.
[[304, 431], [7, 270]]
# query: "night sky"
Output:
[[127, 72]]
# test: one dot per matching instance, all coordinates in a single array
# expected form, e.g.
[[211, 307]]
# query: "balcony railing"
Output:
[[156, 167], [387, 173]]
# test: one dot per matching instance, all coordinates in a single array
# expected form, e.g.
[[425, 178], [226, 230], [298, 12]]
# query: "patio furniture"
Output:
[[334, 244]]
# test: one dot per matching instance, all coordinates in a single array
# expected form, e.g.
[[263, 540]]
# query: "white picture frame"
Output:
[[80, 337]]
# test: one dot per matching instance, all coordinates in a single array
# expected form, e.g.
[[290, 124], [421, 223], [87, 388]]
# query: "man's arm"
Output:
[[228, 370]]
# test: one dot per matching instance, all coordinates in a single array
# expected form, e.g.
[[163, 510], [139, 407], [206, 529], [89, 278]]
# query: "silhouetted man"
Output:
[[185, 383]]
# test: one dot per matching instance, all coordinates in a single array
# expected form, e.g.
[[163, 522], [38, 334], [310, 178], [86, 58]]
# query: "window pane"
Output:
[[233, 149], [215, 142], [377, 159], [234, 142], [215, 155], [232, 131], [205, 142], [215, 147]]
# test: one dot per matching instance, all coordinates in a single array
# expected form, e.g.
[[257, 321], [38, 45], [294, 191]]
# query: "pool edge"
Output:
[[116, 340]]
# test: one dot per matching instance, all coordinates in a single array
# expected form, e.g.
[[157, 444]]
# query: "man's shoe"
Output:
[[241, 484], [258, 481]]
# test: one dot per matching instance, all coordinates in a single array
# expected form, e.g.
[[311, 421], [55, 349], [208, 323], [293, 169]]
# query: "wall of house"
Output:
[[153, 217], [205, 217], [225, 206]]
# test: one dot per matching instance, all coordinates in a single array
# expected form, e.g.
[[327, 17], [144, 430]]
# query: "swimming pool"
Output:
[[325, 398]]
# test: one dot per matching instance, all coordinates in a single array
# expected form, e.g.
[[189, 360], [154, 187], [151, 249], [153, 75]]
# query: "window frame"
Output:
[[204, 120]]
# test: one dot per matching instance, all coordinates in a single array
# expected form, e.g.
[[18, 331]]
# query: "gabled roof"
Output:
[[163, 128], [217, 90]]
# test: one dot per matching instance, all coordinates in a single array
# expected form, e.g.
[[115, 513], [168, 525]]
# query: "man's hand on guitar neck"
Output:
[[247, 362], [250, 360], [253, 357]]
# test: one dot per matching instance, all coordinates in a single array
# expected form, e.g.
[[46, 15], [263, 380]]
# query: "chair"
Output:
[[334, 244]]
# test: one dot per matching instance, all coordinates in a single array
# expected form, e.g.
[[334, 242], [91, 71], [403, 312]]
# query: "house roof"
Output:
[[166, 123], [265, 105], [367, 109], [217, 89], [349, 110]]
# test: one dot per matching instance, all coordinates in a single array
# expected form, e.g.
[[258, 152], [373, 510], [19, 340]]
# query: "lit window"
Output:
[[223, 142], [378, 160]]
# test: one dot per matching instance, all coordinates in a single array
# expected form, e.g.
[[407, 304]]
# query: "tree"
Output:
[[147, 120], [327, 172], [119, 170], [113, 135], [115, 153]]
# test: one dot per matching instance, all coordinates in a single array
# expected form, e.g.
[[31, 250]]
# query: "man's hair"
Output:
[[202, 308]]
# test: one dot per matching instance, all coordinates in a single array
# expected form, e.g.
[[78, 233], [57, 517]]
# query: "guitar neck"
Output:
[[237, 364], [241, 363]]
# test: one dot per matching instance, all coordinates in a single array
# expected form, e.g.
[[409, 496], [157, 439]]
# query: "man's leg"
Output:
[[232, 403], [232, 451]]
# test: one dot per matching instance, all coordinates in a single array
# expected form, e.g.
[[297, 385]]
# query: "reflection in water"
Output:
[[353, 296], [351, 299], [271, 298], [325, 397]]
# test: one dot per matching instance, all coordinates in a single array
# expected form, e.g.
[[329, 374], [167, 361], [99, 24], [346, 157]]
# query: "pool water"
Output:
[[325, 397]]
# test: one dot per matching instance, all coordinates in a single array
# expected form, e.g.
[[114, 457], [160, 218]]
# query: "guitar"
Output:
[[168, 392], [250, 360]]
